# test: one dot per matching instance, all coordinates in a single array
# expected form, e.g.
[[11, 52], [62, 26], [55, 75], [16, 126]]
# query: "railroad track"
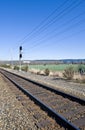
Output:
[[68, 111]]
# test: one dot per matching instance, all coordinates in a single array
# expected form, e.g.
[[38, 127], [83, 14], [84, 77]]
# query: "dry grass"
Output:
[[77, 77]]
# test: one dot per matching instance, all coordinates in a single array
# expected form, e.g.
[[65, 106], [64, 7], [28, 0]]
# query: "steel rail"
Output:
[[60, 119], [71, 97]]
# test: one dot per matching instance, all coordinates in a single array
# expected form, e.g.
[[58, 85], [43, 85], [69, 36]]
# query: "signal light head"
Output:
[[20, 48]]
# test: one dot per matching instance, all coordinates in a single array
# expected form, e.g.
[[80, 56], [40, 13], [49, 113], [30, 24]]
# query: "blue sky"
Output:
[[46, 29]]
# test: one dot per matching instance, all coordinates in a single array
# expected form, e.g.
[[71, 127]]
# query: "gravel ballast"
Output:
[[12, 114]]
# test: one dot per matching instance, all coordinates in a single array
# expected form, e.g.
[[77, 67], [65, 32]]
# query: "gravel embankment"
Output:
[[75, 89], [12, 114]]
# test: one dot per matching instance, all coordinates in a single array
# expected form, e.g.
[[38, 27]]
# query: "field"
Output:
[[53, 67]]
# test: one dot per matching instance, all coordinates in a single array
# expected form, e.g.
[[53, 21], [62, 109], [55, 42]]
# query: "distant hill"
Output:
[[63, 61]]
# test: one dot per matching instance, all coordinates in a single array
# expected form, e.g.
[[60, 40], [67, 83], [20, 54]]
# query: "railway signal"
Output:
[[20, 56]]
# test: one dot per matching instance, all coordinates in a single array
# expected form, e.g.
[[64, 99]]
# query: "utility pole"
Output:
[[20, 56]]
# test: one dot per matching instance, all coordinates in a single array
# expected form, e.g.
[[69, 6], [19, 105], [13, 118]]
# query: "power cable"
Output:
[[61, 14], [62, 26], [43, 21], [61, 32]]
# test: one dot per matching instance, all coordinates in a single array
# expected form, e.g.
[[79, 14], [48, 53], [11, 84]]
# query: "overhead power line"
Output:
[[44, 20], [59, 33], [65, 27], [53, 20]]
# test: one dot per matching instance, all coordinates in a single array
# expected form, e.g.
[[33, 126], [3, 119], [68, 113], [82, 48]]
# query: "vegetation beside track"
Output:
[[67, 71]]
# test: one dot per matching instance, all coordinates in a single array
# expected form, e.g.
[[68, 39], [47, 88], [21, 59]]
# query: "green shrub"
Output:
[[25, 68], [6, 65], [16, 67], [81, 69], [46, 71], [68, 73]]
